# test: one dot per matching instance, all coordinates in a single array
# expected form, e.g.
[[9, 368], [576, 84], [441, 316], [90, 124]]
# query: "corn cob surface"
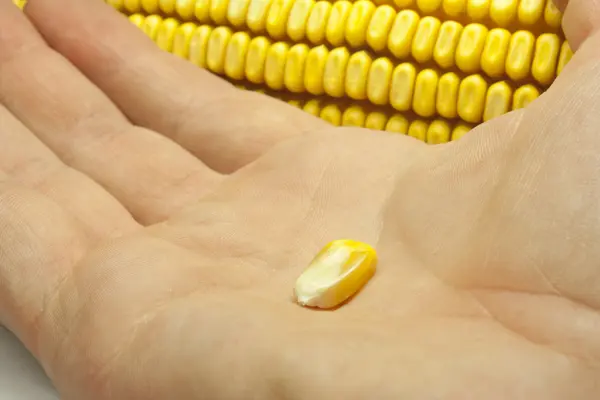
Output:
[[432, 69]]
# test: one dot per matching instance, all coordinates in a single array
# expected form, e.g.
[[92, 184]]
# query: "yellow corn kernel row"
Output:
[[336, 73], [343, 114], [471, 48], [259, 15]]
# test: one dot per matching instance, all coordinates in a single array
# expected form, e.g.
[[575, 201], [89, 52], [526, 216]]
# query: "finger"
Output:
[[580, 20], [39, 244], [225, 127], [25, 159], [146, 172]]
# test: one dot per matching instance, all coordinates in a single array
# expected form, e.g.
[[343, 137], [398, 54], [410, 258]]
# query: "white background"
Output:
[[21, 378]]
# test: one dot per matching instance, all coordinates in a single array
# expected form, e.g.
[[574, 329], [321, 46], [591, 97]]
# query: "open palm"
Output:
[[145, 265]]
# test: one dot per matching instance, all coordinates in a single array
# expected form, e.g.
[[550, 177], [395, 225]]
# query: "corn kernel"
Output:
[[447, 41], [530, 11], [336, 25], [425, 93], [332, 114], [316, 25], [294, 68], [402, 33], [315, 70], [495, 51], [471, 98], [216, 49], [275, 65], [354, 116], [403, 82], [379, 27], [470, 47], [425, 38], [237, 11], [498, 100], [182, 39], [379, 81], [166, 34], [564, 57], [459, 131], [335, 72], [218, 11], [503, 12], [258, 12], [256, 59], [357, 73], [296, 24], [397, 124], [524, 95], [520, 53], [358, 22], [418, 130], [438, 132], [337, 273], [185, 9], [543, 67], [376, 121]]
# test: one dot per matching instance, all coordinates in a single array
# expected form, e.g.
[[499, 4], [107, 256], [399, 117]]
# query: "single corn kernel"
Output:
[[425, 92], [504, 12], [459, 131], [357, 73], [470, 47], [471, 98], [425, 38], [398, 124], [447, 95], [218, 11], [295, 68], [498, 100], [447, 41], [182, 39], [335, 72], [185, 9], [337, 273], [237, 11], [316, 25], [256, 59], [565, 56], [201, 10], [275, 65], [478, 10], [454, 8], [198, 45], [379, 81], [313, 107], [376, 120], [403, 31], [438, 132], [418, 130], [379, 27], [136, 19], [166, 34], [530, 11], [216, 49], [296, 24], [354, 116], [547, 49], [336, 25], [495, 51], [258, 12], [235, 57], [315, 69], [520, 53], [524, 95], [403, 83], [358, 22], [332, 114]]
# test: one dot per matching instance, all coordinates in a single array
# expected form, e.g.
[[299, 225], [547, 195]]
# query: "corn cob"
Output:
[[434, 63]]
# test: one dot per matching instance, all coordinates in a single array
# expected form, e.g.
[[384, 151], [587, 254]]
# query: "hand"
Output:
[[153, 221]]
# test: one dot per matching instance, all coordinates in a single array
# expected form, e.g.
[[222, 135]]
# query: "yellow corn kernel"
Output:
[[237, 11], [216, 49], [332, 114], [256, 58], [182, 39], [429, 6], [199, 45], [425, 38], [151, 26], [438, 132], [418, 130], [376, 120], [398, 124], [459, 131], [379, 81], [470, 47], [403, 82], [275, 65], [447, 95], [357, 73], [454, 8], [337, 273], [166, 34], [447, 41], [564, 57], [498, 100], [478, 10], [336, 25], [235, 58], [530, 11], [358, 22], [403, 31], [503, 12], [495, 51], [137, 20], [132, 6], [185, 9], [520, 52], [379, 27], [316, 61], [552, 15], [295, 103], [278, 17], [167, 6], [313, 107], [353, 116], [258, 12], [425, 92], [316, 25], [471, 98], [543, 67], [335, 72], [294, 68], [149, 6], [218, 11], [524, 95], [296, 24], [21, 3], [201, 10]]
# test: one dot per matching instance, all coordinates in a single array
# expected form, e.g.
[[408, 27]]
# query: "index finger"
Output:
[[225, 127]]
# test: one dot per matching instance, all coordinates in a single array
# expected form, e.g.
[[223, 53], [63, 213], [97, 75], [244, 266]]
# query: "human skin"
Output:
[[149, 251]]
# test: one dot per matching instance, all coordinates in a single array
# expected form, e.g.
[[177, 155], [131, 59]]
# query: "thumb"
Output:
[[581, 19]]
